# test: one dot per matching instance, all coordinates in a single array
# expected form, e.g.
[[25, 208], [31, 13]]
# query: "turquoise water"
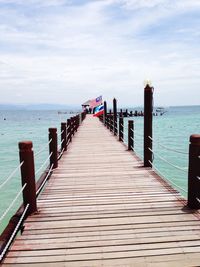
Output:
[[171, 130], [16, 126]]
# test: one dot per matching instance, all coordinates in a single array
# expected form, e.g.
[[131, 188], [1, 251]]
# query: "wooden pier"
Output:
[[101, 207]]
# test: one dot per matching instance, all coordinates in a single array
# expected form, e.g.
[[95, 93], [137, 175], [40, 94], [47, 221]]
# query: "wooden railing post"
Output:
[[111, 123], [72, 127], [105, 112], [121, 129], [110, 116], [63, 136], [74, 124], [69, 130], [53, 147], [148, 119], [108, 121], [77, 122], [79, 119], [28, 175], [84, 115], [115, 116], [194, 172], [130, 135]]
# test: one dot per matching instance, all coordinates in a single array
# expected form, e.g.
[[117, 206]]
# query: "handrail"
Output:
[[171, 164], [14, 233], [44, 181], [11, 175], [43, 164], [43, 148], [61, 153], [61, 132], [12, 203], [59, 146], [167, 148], [170, 181]]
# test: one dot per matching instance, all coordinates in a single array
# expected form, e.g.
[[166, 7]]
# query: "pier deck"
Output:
[[102, 208]]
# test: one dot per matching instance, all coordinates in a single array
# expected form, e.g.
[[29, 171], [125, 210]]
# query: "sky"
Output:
[[69, 51]]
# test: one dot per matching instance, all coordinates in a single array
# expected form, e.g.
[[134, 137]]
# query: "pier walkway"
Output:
[[101, 207]]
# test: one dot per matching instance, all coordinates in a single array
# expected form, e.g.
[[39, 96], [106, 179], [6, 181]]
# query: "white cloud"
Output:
[[70, 52], [39, 3]]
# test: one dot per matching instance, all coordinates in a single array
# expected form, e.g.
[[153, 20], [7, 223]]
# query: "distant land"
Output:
[[38, 107]]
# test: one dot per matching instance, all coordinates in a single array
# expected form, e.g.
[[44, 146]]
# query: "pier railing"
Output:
[[125, 132], [31, 188]]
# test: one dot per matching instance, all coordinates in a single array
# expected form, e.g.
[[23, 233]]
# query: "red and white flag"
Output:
[[99, 111], [96, 102]]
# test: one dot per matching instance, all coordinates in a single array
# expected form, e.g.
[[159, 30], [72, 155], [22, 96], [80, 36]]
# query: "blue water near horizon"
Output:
[[172, 130]]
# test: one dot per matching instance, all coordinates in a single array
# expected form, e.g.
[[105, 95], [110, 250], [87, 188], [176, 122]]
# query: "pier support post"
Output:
[[110, 120], [148, 119], [77, 122], [105, 113], [130, 135], [63, 136], [121, 129], [72, 127], [194, 172], [28, 176], [115, 116], [53, 147], [69, 138]]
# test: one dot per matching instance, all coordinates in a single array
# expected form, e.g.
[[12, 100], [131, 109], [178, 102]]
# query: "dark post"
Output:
[[115, 116], [63, 136], [28, 175], [72, 127], [194, 172], [105, 112], [121, 129], [148, 119], [111, 125], [110, 120], [77, 122], [130, 135], [79, 119], [53, 147], [69, 130]]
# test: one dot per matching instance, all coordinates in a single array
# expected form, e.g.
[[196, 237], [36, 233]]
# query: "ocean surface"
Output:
[[16, 126], [171, 134]]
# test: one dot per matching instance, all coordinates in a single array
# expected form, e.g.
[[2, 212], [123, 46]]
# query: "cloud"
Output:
[[60, 51], [38, 3]]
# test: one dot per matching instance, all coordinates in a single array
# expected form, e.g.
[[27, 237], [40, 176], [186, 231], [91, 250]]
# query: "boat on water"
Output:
[[161, 110]]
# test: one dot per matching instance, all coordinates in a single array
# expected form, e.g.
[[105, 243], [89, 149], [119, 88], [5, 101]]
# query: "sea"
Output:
[[171, 133]]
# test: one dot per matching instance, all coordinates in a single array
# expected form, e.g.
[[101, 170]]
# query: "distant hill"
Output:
[[37, 107]]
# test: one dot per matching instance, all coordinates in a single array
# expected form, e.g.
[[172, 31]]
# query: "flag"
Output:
[[98, 111], [96, 102]]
